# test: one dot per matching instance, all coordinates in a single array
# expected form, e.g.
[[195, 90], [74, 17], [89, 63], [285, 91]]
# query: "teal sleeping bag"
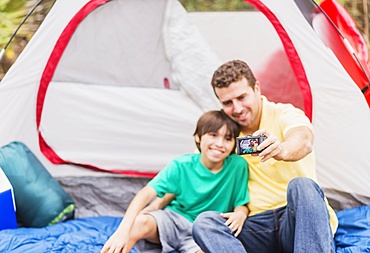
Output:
[[39, 199]]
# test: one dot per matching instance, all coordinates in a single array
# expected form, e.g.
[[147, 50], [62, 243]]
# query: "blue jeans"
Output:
[[303, 225]]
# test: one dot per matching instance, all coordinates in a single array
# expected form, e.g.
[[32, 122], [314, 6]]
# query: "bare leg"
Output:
[[145, 227]]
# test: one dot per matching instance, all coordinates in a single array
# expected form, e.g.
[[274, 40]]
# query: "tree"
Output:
[[359, 11], [12, 14]]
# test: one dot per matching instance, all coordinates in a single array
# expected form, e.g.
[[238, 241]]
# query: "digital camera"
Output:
[[248, 144]]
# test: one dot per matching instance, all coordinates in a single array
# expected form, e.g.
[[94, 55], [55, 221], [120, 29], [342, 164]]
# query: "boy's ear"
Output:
[[197, 138]]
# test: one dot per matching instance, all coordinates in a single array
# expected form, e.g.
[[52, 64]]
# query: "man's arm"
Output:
[[297, 144]]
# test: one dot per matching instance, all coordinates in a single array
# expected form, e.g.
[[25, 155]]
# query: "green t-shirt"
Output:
[[198, 190]]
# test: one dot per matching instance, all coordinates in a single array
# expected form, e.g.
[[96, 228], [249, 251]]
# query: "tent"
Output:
[[109, 91]]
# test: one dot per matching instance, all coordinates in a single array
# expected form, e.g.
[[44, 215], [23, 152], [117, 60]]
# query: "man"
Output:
[[288, 210]]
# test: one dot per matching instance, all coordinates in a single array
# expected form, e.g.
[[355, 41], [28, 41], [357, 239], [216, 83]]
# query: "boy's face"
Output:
[[215, 147], [241, 103]]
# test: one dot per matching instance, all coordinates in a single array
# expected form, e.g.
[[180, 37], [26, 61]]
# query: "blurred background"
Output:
[[13, 12]]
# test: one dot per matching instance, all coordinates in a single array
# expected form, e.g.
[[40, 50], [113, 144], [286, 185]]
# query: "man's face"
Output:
[[241, 103]]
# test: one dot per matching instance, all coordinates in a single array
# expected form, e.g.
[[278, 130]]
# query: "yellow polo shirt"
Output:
[[268, 181]]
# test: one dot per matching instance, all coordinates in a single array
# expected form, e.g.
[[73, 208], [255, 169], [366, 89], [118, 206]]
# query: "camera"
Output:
[[248, 144]]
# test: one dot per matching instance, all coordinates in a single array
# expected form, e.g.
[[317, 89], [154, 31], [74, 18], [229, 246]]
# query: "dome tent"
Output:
[[117, 86]]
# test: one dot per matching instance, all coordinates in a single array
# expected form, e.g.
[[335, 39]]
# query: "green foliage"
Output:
[[215, 5], [11, 5], [342, 2], [356, 8], [11, 14]]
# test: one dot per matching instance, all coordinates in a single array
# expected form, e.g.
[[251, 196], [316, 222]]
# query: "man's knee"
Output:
[[205, 220], [301, 182], [304, 187], [207, 217]]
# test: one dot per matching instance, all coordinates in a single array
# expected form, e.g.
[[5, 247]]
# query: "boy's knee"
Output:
[[142, 225], [143, 220]]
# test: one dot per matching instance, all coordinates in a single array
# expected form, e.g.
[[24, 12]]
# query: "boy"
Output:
[[214, 179]]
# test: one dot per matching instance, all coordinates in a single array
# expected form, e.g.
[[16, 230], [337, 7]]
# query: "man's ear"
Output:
[[215, 91], [257, 87]]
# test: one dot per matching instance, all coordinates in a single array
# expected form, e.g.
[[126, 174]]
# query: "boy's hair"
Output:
[[231, 72], [212, 121]]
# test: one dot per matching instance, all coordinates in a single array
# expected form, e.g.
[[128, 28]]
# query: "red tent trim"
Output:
[[292, 55], [343, 38], [46, 78]]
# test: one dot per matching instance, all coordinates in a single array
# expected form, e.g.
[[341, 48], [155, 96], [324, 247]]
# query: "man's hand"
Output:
[[297, 144], [270, 147]]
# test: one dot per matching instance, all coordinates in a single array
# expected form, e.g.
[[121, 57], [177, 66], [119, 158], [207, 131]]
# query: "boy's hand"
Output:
[[116, 243], [235, 221]]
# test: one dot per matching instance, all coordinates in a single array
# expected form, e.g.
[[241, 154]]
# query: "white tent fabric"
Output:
[[112, 71], [125, 95], [341, 116]]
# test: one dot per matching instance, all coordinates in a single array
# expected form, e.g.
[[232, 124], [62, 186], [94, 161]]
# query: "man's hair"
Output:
[[212, 121], [231, 72]]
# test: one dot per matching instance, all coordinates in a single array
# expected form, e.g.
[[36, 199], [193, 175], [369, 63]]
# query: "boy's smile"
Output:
[[215, 147]]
